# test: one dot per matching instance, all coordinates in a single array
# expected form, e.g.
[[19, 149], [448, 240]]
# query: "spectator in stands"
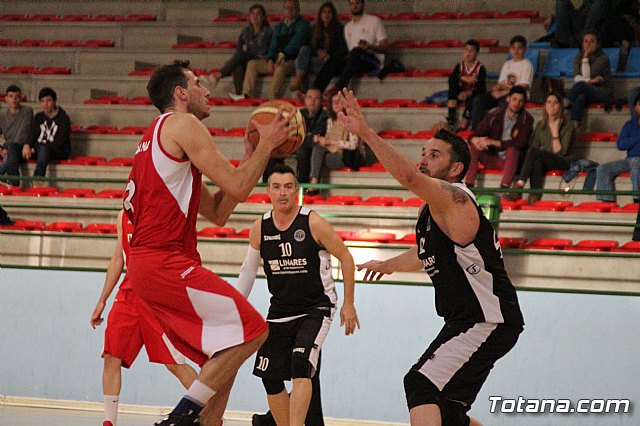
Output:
[[52, 132], [633, 94], [339, 148], [287, 39], [591, 77], [315, 120], [604, 16], [550, 148], [501, 139], [468, 80], [16, 126], [517, 71], [628, 140], [325, 55], [366, 40], [253, 43]]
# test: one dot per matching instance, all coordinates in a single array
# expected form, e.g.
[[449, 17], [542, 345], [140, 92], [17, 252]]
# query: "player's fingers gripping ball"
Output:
[[265, 113]]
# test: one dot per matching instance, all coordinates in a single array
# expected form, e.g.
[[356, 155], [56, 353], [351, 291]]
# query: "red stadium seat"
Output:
[[216, 232], [241, 234], [375, 167], [627, 208], [480, 15], [261, 198], [548, 244], [445, 15], [28, 225], [628, 247], [63, 226], [394, 134], [592, 206], [595, 245], [407, 239], [110, 193], [139, 17], [345, 200], [520, 14], [598, 137], [379, 201], [76, 193], [41, 191], [508, 243], [410, 202], [409, 16], [99, 228], [374, 237], [444, 43], [546, 205], [346, 235]]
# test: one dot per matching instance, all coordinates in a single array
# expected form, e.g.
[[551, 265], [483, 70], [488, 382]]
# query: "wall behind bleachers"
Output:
[[574, 346]]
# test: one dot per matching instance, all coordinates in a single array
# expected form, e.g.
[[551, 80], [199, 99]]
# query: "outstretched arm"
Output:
[[183, 133], [405, 262], [116, 264], [327, 237], [251, 263]]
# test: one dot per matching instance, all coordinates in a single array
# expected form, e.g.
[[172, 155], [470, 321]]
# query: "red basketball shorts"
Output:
[[201, 313], [130, 325]]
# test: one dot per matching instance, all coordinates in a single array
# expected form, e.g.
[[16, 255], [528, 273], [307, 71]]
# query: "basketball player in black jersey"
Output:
[[295, 245], [459, 249]]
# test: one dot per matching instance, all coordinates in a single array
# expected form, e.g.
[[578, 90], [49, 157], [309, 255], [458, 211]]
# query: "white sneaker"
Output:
[[235, 97]]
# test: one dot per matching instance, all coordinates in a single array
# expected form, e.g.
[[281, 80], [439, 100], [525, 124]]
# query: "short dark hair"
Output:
[[282, 169], [458, 148], [592, 32], [13, 89], [48, 91], [163, 82], [473, 43], [519, 90], [518, 39]]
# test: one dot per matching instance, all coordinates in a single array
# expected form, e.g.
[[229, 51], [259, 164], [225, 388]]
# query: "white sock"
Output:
[[200, 392], [111, 408]]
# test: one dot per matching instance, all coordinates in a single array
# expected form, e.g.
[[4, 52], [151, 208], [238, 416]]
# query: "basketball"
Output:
[[265, 113]]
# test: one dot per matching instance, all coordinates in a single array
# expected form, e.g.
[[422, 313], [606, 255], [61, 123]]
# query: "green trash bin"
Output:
[[491, 207]]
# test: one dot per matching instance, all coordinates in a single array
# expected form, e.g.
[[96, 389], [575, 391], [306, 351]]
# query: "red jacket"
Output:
[[493, 123]]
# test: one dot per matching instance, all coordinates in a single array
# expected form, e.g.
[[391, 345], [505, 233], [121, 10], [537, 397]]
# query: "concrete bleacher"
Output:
[[140, 44]]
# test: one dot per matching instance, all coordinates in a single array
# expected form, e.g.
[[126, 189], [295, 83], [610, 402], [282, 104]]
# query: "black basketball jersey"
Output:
[[298, 269], [471, 284]]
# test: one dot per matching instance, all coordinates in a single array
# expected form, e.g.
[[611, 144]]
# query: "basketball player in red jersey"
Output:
[[204, 316], [130, 326]]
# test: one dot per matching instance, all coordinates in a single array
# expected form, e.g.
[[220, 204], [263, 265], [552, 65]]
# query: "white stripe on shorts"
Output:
[[319, 341], [453, 354], [177, 356], [221, 323]]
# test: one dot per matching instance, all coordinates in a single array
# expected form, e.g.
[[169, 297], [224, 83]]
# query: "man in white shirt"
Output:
[[367, 42]]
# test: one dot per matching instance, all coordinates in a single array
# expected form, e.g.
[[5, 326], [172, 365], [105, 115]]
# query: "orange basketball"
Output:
[[264, 114]]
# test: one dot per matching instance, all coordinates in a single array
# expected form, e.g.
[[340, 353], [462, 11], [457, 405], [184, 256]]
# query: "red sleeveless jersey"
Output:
[[468, 72], [162, 197]]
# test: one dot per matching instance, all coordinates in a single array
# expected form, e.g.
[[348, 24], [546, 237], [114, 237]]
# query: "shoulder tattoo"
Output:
[[458, 195]]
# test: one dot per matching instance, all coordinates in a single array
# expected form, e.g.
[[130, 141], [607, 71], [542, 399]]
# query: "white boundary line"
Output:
[[62, 404]]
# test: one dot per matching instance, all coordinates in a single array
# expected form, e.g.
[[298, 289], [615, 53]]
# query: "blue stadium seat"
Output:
[[633, 64], [559, 63], [614, 57]]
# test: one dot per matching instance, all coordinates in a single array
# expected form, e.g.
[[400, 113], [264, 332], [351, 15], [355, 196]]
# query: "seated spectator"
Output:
[[253, 43], [633, 94], [315, 120], [366, 40], [501, 139], [468, 80], [325, 55], [16, 126], [550, 148], [339, 148], [628, 140], [591, 77], [52, 132], [603, 16], [517, 71], [287, 39]]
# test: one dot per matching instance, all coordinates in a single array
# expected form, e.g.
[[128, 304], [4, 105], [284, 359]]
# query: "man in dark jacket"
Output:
[[52, 132], [501, 139]]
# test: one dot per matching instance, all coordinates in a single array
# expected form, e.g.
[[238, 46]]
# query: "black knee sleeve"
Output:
[[273, 387], [419, 390], [301, 368]]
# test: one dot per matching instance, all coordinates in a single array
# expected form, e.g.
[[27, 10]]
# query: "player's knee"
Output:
[[273, 387], [111, 362], [301, 367], [419, 390]]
